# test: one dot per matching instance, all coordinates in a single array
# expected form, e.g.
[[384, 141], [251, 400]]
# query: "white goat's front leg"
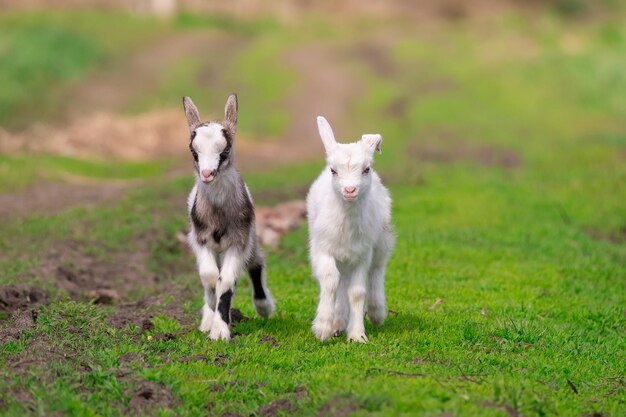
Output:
[[231, 269], [376, 305], [342, 305], [327, 274], [356, 296], [209, 273]]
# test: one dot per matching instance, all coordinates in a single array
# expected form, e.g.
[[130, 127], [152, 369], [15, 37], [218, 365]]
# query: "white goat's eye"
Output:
[[333, 171], [366, 170]]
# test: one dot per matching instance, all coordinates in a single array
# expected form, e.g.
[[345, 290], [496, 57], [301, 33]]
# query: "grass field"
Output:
[[505, 152]]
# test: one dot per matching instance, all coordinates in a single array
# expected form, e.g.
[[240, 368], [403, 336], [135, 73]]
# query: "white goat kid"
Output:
[[349, 213], [221, 215]]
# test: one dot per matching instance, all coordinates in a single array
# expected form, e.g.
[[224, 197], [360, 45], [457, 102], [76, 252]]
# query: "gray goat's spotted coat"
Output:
[[221, 217]]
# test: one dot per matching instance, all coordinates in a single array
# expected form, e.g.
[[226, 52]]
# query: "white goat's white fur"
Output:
[[350, 237]]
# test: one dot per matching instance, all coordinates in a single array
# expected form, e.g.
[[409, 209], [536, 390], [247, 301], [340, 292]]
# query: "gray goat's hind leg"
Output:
[[262, 299]]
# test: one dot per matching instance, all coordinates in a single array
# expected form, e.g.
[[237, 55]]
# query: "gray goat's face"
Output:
[[349, 164], [211, 143], [210, 147]]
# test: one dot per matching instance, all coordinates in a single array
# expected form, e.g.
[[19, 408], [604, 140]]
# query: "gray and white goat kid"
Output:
[[350, 237], [221, 215]]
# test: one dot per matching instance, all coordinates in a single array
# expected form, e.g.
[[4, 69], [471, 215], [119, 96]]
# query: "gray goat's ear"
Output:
[[230, 111], [191, 113], [372, 142], [326, 133]]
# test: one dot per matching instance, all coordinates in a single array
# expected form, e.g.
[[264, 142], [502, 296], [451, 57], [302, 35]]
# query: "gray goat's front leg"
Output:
[[232, 266], [209, 273]]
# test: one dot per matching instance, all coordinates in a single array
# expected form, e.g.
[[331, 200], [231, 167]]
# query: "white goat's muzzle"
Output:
[[350, 193]]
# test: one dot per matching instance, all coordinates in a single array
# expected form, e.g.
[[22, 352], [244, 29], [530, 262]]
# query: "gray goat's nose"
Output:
[[207, 173]]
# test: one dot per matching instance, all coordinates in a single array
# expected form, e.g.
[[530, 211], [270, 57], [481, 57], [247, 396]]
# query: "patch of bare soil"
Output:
[[147, 396], [231, 414], [19, 322], [339, 406], [423, 10], [142, 397], [105, 135], [447, 148], [282, 405], [272, 223], [237, 316], [20, 302], [46, 198], [291, 11], [509, 409], [91, 126], [326, 87], [376, 55], [140, 313], [115, 87], [41, 351], [617, 236], [114, 278], [19, 396], [268, 340], [14, 297], [85, 276]]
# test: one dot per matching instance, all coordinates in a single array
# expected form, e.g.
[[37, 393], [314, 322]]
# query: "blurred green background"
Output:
[[504, 147]]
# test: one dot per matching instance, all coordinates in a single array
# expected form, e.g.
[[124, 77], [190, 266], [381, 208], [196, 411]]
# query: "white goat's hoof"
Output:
[[264, 306], [339, 326], [358, 338], [207, 319], [219, 331], [323, 329], [377, 315]]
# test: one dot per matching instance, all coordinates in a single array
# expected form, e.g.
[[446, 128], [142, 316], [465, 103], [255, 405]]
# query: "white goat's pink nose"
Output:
[[206, 173], [349, 190]]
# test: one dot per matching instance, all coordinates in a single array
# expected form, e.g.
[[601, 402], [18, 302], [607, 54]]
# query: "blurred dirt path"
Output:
[[49, 198], [114, 88], [325, 86]]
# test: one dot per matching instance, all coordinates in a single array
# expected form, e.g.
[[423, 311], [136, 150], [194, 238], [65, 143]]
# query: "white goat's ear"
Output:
[[191, 113], [326, 133], [372, 142], [230, 110]]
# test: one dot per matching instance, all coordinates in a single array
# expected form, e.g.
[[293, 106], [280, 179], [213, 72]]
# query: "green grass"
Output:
[[46, 52], [34, 58], [227, 23], [267, 82], [528, 260], [253, 67]]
